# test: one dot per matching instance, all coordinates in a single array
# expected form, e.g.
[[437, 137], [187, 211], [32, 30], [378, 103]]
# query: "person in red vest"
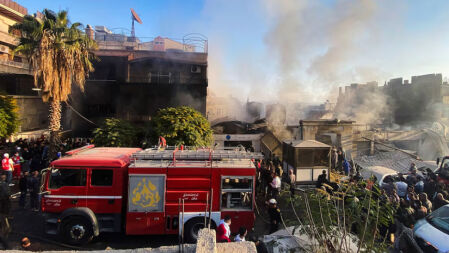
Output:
[[224, 230], [17, 159], [8, 167]]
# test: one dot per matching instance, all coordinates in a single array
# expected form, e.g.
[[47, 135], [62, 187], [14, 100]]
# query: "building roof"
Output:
[[98, 157], [327, 122], [395, 160], [12, 10], [306, 144]]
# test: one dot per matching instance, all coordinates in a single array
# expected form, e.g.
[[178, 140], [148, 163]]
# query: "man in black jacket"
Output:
[[322, 179], [5, 196], [23, 186], [275, 215], [33, 187]]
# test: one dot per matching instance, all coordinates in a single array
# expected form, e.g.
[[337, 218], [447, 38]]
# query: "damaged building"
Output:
[[134, 79], [424, 98]]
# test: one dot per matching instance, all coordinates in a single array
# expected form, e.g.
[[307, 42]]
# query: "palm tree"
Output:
[[59, 56]]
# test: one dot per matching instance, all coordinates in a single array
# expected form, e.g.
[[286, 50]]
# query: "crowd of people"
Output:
[[21, 172], [24, 167], [414, 195]]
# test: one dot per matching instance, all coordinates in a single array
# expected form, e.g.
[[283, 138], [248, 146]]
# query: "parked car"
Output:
[[379, 172], [432, 232]]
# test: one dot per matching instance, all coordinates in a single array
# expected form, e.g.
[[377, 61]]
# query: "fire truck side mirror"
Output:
[[438, 160]]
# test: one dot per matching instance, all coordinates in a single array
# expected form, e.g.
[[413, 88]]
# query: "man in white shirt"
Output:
[[240, 237], [402, 188], [275, 186]]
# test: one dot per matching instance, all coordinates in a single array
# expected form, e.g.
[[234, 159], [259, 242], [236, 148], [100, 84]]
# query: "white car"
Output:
[[432, 232], [379, 172]]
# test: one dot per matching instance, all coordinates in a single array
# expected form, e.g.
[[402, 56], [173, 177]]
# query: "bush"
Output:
[[183, 126], [115, 133], [9, 116]]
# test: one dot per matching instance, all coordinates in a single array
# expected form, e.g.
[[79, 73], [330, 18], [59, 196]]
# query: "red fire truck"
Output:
[[152, 191]]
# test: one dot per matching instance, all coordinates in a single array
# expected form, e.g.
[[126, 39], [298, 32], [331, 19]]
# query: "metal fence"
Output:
[[194, 42]]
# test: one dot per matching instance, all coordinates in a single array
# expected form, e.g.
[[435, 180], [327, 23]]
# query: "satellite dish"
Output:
[[135, 17]]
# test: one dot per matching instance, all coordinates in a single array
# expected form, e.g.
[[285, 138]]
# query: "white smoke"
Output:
[[307, 49]]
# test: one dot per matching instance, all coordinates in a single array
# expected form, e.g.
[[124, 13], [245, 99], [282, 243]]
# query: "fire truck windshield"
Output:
[[236, 192], [67, 177]]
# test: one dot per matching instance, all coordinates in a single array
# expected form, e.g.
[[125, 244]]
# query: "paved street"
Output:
[[30, 224]]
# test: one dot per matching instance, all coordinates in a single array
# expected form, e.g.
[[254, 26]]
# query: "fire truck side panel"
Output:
[[146, 201], [240, 216], [239, 219], [145, 223], [191, 184], [105, 197]]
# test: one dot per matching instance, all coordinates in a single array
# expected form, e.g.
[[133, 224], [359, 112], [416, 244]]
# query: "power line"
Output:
[[79, 114]]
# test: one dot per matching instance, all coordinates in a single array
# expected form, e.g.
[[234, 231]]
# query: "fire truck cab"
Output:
[[152, 191]]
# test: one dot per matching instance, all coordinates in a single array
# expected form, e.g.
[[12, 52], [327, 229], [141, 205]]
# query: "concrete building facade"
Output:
[[424, 98], [133, 81], [15, 75]]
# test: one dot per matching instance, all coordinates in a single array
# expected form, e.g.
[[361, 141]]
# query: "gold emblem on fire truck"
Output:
[[145, 194]]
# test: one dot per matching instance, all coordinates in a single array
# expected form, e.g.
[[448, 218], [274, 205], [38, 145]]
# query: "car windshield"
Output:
[[440, 219]]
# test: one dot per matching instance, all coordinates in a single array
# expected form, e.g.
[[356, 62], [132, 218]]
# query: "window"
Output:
[[67, 177], [236, 192], [101, 177], [312, 157]]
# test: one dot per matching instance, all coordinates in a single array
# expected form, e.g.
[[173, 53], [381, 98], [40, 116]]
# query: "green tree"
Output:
[[9, 117], [351, 212], [59, 56], [115, 133], [183, 126]]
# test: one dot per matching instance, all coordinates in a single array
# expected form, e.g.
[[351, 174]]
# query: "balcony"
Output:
[[12, 67]]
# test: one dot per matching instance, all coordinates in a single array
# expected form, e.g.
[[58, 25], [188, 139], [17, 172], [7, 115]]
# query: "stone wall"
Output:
[[33, 113], [206, 244]]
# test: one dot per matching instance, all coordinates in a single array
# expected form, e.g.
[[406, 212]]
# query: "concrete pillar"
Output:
[[206, 241]]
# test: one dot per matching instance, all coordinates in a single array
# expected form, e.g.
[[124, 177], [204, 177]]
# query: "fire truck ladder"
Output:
[[199, 155]]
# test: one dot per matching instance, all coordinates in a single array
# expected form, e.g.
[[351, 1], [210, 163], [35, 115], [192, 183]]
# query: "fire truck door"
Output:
[[146, 201]]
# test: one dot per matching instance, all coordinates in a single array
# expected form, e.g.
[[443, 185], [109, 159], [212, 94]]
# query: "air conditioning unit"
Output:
[[4, 49], [195, 69]]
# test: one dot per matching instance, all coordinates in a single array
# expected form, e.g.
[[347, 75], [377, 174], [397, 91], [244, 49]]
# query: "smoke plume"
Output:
[[299, 51]]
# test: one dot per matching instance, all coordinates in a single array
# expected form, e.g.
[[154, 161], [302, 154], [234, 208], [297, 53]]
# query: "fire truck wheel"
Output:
[[77, 230], [192, 227]]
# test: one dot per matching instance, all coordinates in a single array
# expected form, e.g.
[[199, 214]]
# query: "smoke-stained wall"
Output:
[[136, 90], [397, 102]]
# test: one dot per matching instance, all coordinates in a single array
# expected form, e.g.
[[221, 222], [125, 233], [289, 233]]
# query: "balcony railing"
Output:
[[20, 65], [195, 43]]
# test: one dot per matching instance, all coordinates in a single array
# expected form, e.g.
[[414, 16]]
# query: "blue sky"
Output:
[[288, 49]]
